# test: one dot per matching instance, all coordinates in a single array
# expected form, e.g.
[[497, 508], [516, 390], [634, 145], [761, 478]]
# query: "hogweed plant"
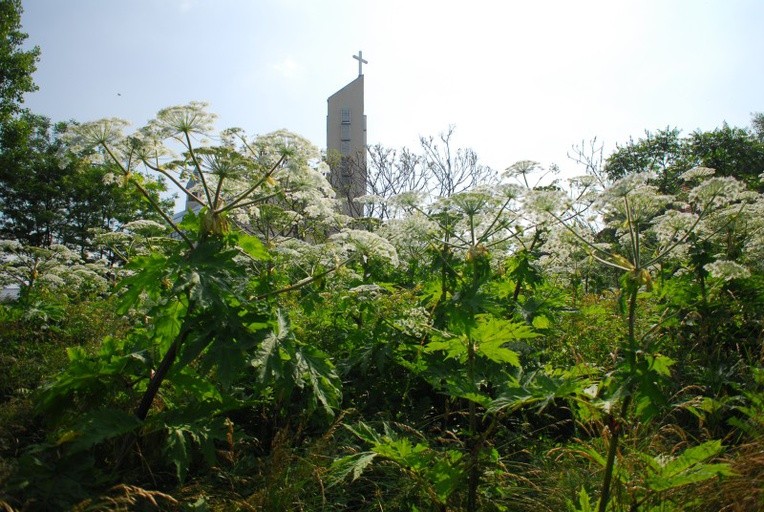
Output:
[[649, 229], [204, 302], [470, 238], [56, 269]]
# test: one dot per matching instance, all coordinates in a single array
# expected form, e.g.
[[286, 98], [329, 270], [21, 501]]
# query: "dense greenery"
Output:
[[735, 152], [594, 344], [49, 199], [589, 345], [17, 65]]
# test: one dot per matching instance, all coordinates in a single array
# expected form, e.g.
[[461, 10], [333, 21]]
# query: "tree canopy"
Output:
[[16, 64], [49, 196], [735, 152]]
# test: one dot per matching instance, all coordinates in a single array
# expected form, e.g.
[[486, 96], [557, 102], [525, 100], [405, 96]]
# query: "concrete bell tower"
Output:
[[346, 142]]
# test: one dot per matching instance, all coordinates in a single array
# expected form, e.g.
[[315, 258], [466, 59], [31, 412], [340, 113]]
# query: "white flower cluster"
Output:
[[309, 188], [112, 238], [541, 201], [697, 174], [673, 225], [367, 292], [108, 132], [626, 185], [521, 170], [367, 243], [640, 204], [148, 145], [563, 254], [412, 199], [727, 270], [470, 203], [192, 118], [145, 227], [410, 234], [56, 267], [716, 192], [415, 323], [753, 221], [371, 289], [295, 250], [96, 135]]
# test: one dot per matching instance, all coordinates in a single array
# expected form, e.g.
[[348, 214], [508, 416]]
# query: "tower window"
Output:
[[345, 147], [345, 116], [345, 132]]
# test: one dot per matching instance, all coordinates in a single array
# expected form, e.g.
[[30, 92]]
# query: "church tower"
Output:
[[346, 142]]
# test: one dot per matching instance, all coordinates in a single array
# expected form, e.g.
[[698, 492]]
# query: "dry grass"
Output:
[[128, 498], [743, 492]]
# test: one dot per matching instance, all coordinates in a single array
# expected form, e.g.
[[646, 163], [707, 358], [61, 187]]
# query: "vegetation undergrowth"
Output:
[[515, 346]]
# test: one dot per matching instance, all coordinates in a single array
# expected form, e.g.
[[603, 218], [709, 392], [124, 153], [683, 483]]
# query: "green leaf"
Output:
[[316, 367], [498, 354], [167, 323], [404, 452], [284, 363], [584, 502], [454, 347], [541, 322], [540, 388], [195, 385], [491, 329], [151, 273], [177, 452], [268, 358], [459, 386], [660, 364], [97, 426], [352, 464], [649, 398], [446, 474], [491, 334], [512, 399], [252, 246], [688, 468], [364, 432]]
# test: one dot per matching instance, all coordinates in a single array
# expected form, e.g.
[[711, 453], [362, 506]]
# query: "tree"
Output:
[[734, 152], [31, 196], [392, 172], [16, 65], [454, 170], [757, 123], [438, 170], [662, 152], [45, 200]]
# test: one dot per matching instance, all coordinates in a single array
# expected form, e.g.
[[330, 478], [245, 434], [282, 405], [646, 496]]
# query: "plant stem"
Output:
[[615, 434], [159, 375], [154, 383], [616, 423], [473, 444]]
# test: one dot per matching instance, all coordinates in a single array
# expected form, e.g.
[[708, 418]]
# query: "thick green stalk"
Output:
[[159, 375], [473, 446], [474, 441], [154, 384], [616, 423]]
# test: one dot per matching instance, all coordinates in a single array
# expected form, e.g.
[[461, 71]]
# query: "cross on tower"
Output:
[[361, 62]]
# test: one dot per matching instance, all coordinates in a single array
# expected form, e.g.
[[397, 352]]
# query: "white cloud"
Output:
[[287, 68], [183, 6]]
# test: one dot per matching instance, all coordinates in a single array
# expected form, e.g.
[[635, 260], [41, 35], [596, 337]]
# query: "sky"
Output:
[[519, 80]]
